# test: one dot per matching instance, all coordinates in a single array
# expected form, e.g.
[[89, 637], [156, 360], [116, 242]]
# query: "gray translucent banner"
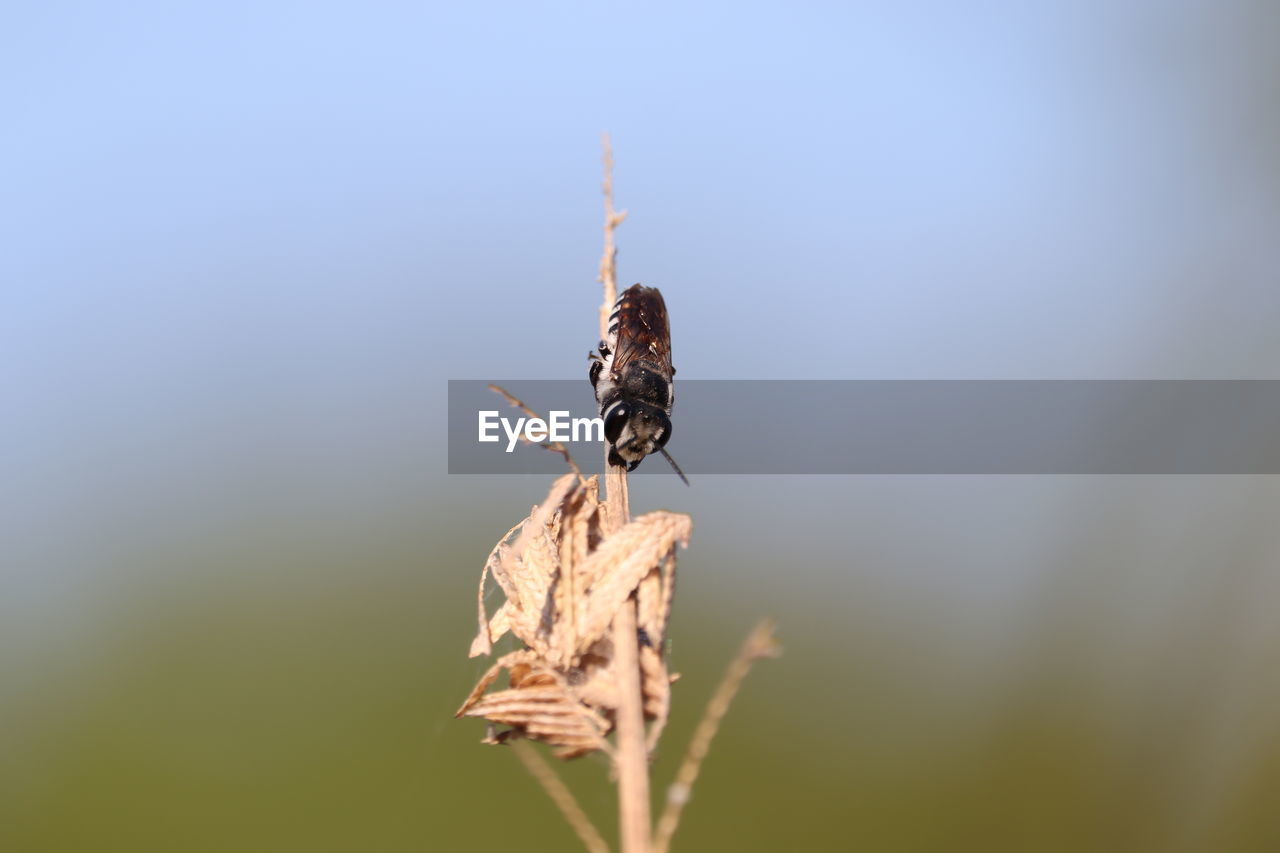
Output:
[[906, 427]]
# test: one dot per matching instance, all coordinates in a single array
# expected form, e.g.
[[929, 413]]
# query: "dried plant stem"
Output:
[[632, 758], [553, 446], [583, 583], [760, 643], [617, 496], [632, 752], [608, 261], [560, 794]]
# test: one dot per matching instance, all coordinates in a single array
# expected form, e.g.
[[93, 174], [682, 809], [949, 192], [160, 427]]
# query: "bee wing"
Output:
[[643, 331]]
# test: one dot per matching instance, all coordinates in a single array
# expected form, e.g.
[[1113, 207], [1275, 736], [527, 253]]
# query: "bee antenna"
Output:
[[667, 456]]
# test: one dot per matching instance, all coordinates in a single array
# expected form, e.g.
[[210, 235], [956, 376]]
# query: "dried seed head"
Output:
[[564, 581]]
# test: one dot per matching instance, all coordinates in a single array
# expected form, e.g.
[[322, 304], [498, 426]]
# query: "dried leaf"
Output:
[[563, 582]]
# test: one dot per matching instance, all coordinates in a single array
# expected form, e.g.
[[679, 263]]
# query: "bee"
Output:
[[633, 379]]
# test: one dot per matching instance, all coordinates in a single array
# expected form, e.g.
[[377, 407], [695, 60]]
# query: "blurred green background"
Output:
[[245, 246]]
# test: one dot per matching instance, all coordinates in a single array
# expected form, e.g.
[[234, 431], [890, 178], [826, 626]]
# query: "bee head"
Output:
[[635, 430]]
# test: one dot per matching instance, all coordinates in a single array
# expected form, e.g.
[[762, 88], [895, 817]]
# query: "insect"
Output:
[[632, 376]]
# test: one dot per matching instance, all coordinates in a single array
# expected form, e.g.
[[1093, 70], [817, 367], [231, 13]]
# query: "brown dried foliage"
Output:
[[564, 580]]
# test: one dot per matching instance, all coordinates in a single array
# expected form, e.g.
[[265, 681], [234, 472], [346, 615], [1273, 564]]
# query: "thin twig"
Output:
[[560, 794], [632, 760], [608, 261], [553, 446], [760, 643]]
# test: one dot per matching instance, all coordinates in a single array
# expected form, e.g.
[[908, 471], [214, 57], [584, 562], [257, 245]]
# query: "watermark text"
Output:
[[559, 426]]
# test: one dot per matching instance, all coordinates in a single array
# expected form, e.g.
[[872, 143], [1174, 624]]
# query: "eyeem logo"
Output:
[[559, 427]]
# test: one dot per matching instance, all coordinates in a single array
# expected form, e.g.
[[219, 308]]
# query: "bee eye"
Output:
[[615, 420], [666, 431]]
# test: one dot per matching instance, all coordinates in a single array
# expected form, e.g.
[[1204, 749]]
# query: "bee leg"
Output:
[[604, 349], [593, 373]]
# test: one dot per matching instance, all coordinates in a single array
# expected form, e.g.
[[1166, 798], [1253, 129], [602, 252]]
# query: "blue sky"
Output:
[[241, 232], [961, 193]]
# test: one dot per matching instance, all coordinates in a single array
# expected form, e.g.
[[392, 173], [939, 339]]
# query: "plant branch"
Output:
[[760, 643], [553, 446], [560, 794], [632, 760], [609, 260]]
